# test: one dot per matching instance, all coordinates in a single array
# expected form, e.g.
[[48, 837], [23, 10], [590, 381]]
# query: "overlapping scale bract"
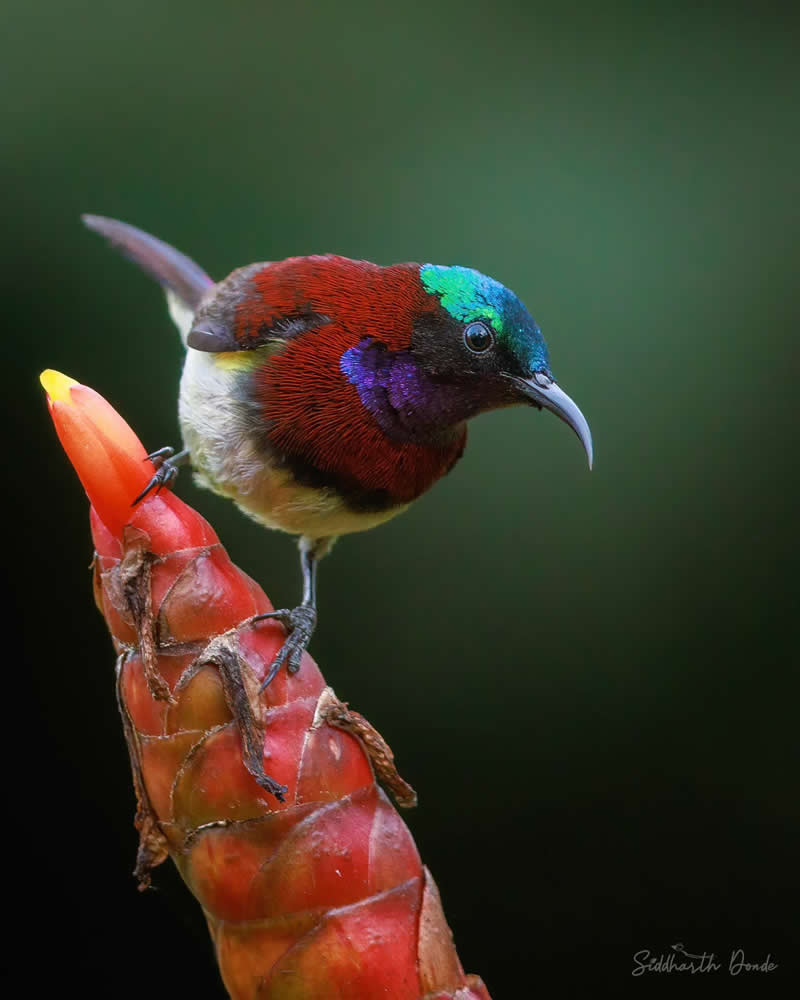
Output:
[[320, 896]]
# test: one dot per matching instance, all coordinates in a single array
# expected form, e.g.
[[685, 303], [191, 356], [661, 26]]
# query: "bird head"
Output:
[[469, 346], [483, 334]]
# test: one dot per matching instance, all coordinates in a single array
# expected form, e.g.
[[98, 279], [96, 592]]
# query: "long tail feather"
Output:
[[172, 269]]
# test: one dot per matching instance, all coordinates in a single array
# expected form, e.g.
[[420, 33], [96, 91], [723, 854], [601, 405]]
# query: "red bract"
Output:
[[266, 802]]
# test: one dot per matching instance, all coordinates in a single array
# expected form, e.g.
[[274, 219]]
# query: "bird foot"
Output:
[[167, 465], [300, 623]]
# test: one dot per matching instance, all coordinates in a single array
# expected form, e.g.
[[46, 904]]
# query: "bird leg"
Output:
[[167, 465], [301, 621]]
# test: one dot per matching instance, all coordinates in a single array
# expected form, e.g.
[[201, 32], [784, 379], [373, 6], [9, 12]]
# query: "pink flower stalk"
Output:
[[267, 802]]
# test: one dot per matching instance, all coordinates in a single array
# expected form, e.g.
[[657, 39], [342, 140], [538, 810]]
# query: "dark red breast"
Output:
[[315, 419]]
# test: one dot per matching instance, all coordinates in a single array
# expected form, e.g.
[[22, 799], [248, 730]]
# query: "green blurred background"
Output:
[[591, 679]]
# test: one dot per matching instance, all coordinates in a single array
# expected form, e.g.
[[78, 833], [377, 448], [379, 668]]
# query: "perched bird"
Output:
[[324, 395]]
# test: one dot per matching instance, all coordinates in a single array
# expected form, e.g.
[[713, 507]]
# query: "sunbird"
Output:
[[323, 395]]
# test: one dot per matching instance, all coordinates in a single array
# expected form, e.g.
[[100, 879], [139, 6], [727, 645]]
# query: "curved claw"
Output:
[[165, 473], [167, 465], [160, 456], [299, 622]]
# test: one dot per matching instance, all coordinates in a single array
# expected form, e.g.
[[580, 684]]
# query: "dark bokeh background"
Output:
[[591, 679]]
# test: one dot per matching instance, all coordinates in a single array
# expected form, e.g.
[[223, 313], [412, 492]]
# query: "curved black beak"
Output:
[[541, 390]]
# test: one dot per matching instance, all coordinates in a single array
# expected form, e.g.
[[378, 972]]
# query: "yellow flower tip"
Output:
[[57, 386]]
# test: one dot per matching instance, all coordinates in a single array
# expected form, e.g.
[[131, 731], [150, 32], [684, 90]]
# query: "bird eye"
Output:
[[478, 337]]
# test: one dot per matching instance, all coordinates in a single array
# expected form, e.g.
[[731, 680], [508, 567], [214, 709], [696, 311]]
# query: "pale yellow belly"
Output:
[[276, 501], [215, 430]]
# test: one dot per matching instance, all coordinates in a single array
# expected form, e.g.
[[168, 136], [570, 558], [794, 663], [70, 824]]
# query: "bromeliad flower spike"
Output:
[[310, 881], [324, 395]]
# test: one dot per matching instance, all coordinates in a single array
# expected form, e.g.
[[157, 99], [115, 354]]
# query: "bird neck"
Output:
[[407, 403]]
